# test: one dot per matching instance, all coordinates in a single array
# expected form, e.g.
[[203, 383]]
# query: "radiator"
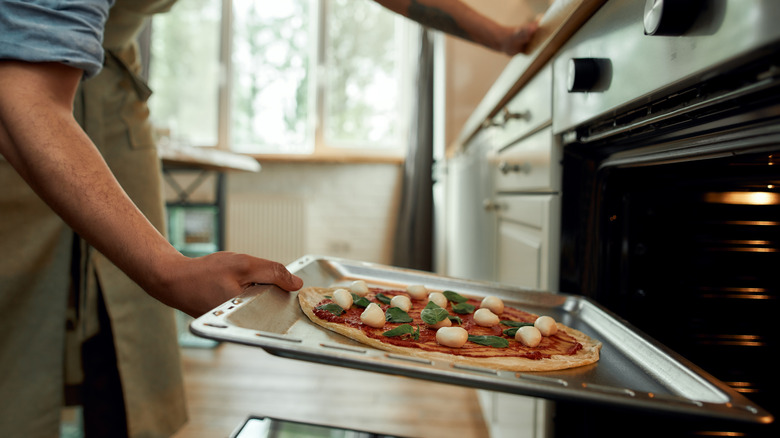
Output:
[[270, 227]]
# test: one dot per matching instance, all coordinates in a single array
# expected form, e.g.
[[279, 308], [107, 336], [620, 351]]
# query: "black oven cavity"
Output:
[[671, 219]]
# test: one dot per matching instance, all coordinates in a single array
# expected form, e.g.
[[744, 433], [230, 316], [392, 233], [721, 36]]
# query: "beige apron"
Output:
[[35, 264]]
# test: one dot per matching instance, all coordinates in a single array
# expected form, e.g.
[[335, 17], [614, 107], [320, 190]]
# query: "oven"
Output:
[[669, 113]]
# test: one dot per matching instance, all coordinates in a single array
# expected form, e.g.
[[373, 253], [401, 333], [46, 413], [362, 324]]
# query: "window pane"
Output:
[[184, 72], [364, 75], [270, 88]]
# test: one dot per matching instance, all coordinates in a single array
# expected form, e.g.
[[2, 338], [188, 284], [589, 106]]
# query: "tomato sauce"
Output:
[[560, 343]]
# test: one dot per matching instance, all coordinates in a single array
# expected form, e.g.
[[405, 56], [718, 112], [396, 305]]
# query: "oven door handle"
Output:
[[764, 84]]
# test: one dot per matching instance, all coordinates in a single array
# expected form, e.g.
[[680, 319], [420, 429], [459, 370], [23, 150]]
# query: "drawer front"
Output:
[[529, 110], [534, 211], [530, 165]]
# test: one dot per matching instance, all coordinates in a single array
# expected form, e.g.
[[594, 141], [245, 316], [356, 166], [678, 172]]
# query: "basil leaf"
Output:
[[403, 329], [383, 298], [489, 341], [433, 314], [463, 308], [432, 305], [454, 297], [511, 331], [455, 319], [332, 308], [360, 301], [516, 323], [394, 314]]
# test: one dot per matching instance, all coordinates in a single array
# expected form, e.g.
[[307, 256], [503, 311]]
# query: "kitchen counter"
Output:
[[207, 158], [561, 20]]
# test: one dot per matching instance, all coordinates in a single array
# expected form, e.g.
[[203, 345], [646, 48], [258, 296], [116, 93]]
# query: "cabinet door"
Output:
[[519, 255], [527, 240], [470, 229]]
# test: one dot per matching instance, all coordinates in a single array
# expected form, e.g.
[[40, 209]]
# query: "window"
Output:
[[304, 76]]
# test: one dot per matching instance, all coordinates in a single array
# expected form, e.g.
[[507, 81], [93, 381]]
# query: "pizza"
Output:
[[446, 325]]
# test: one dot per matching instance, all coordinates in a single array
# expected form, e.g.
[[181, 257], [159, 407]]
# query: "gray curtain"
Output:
[[414, 233]]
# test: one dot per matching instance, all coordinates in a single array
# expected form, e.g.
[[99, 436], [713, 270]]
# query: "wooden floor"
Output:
[[227, 384]]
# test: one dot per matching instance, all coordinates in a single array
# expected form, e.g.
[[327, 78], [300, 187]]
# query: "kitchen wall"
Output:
[[332, 209]]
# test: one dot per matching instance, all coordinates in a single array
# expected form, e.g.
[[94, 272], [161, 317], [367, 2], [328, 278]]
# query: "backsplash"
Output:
[[349, 210]]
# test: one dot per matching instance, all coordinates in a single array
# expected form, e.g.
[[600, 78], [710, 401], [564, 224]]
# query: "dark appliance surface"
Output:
[[671, 200]]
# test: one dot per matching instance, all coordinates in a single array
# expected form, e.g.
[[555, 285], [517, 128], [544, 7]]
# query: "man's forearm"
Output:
[[453, 17], [43, 142]]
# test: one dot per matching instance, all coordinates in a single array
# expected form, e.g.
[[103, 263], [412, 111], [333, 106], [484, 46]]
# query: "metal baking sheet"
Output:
[[633, 371]]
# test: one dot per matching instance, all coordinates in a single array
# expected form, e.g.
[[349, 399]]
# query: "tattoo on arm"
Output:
[[437, 19]]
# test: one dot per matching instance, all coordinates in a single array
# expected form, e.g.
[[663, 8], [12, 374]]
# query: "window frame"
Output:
[[409, 38]]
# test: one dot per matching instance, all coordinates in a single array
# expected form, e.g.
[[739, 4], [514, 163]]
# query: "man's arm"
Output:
[[458, 19], [42, 141]]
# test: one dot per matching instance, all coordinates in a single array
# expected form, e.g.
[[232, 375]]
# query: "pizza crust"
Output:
[[312, 296]]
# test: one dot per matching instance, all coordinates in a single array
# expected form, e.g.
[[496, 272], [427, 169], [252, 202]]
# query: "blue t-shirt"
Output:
[[66, 31]]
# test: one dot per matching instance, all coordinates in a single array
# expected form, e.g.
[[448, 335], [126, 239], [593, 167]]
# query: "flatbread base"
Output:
[[310, 297]]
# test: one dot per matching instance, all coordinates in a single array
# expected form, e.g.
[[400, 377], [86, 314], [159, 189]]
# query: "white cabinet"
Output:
[[527, 240], [470, 228], [502, 208], [525, 172], [525, 163], [516, 416]]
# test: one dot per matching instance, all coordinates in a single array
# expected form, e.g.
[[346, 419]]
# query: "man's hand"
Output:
[[517, 38], [197, 285]]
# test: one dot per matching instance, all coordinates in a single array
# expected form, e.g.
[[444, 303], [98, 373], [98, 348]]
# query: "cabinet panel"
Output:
[[527, 240], [470, 229], [519, 255], [532, 164], [529, 110]]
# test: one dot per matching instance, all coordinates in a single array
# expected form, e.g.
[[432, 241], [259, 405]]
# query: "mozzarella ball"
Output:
[[528, 336], [495, 304], [441, 324], [373, 316], [452, 336], [343, 298], [546, 325], [359, 287], [417, 291], [438, 298], [402, 302], [485, 318]]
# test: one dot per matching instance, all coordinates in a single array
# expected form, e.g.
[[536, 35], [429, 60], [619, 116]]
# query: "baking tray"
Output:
[[634, 370]]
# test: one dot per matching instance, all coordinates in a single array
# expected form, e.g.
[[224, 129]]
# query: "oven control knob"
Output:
[[670, 17], [583, 74]]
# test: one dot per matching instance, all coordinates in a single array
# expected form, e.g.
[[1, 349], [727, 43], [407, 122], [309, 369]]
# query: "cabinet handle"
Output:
[[525, 115], [506, 168], [489, 123], [506, 116], [491, 205]]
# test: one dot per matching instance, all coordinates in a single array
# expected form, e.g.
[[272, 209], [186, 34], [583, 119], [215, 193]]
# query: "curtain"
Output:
[[414, 231]]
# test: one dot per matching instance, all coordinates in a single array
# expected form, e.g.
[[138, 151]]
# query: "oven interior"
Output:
[[675, 226]]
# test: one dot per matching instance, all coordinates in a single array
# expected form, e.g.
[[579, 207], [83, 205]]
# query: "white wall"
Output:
[[350, 209]]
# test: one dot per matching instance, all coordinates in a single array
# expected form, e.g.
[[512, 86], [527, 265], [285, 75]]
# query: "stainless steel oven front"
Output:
[[669, 112]]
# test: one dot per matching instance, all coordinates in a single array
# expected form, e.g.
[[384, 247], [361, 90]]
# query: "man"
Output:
[[55, 182]]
